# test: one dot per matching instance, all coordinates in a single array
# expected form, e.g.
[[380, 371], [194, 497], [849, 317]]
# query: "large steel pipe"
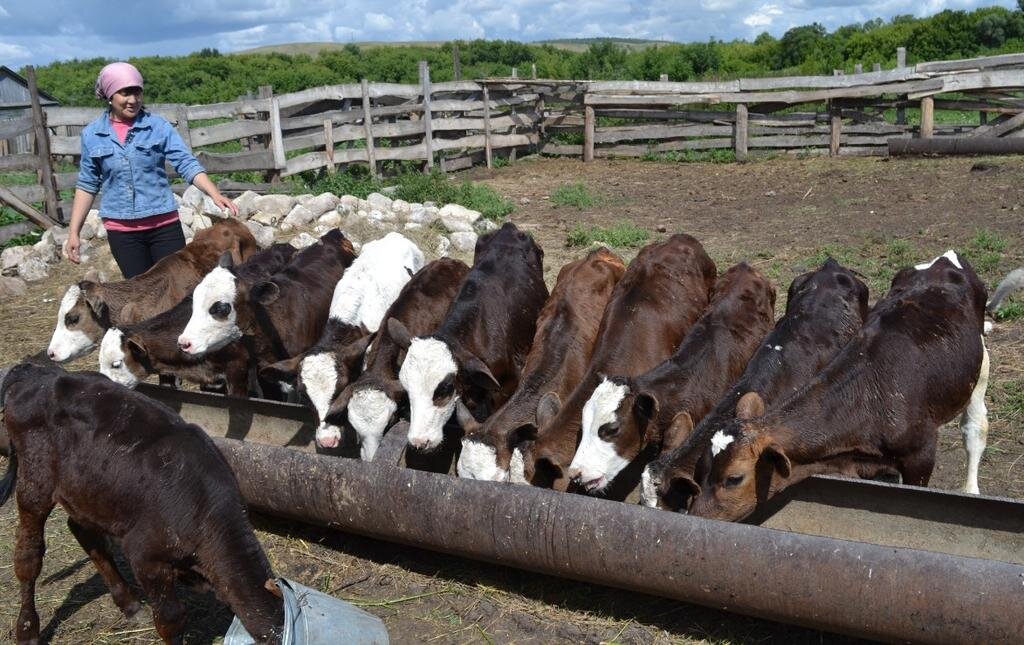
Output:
[[956, 146], [843, 586]]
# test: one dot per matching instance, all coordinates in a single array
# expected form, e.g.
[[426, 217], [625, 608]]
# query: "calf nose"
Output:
[[185, 345], [51, 354], [575, 474]]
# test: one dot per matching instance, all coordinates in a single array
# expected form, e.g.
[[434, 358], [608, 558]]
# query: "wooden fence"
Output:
[[457, 124]]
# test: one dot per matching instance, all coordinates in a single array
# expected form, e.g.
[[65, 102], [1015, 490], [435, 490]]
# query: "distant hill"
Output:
[[581, 44], [569, 44]]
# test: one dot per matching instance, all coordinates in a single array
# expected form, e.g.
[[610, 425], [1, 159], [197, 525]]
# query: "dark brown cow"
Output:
[[476, 355], [124, 466], [370, 402], [130, 353], [824, 309], [89, 308], [631, 417], [663, 292], [566, 333], [874, 409]]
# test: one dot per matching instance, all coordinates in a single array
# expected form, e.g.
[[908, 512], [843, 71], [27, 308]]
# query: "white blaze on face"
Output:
[[949, 255], [648, 489], [517, 468], [719, 442], [204, 333], [596, 460], [426, 364], [369, 411], [480, 461], [112, 364], [67, 344], [319, 374]]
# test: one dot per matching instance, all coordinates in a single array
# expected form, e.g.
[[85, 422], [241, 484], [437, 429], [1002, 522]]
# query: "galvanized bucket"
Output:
[[314, 618]]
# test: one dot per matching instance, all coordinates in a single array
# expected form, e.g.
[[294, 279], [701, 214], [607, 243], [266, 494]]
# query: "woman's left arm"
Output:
[[189, 168]]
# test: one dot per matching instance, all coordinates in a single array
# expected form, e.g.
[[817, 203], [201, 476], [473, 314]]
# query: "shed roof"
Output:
[[44, 98]]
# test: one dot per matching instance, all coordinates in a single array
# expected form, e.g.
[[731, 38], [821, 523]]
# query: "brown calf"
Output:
[[566, 334], [874, 409], [124, 466], [663, 292], [627, 417]]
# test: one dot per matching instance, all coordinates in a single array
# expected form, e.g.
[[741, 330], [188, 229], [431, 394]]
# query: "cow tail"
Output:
[[10, 477]]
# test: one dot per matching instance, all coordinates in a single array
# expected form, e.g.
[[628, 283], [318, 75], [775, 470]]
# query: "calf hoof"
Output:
[[132, 611]]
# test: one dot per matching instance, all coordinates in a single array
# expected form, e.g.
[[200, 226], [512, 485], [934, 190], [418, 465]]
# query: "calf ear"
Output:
[[466, 419], [547, 409], [236, 251], [677, 432], [525, 432], [338, 405], [645, 410], [679, 492], [227, 258], [399, 333], [393, 388], [137, 348], [774, 452], [265, 292], [95, 302], [353, 353], [284, 371], [749, 406], [478, 374]]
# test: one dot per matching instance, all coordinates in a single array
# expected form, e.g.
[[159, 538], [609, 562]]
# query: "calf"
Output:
[[360, 300], [89, 308], [130, 353], [476, 354], [628, 416], [663, 292], [824, 309], [372, 400], [875, 408], [566, 334], [281, 316], [124, 466]]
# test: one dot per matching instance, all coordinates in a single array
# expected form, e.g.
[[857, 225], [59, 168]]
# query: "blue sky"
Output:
[[41, 31]]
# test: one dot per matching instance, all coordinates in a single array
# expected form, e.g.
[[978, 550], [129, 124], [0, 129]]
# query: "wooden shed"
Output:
[[15, 101]]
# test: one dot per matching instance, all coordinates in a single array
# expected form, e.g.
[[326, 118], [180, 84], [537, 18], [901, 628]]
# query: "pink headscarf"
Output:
[[116, 76]]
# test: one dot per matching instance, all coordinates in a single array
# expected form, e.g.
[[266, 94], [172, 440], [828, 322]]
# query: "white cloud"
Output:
[[13, 51], [763, 17], [3, 12], [378, 22]]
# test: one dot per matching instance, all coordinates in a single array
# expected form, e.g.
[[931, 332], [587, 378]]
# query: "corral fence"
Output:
[[454, 125]]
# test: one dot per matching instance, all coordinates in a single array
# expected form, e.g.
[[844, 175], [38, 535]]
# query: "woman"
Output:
[[123, 154]]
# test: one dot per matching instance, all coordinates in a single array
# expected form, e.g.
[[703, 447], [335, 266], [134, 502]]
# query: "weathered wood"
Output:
[[615, 134], [565, 149], [858, 68], [478, 140], [52, 201], [533, 70], [15, 202], [971, 81], [901, 57], [11, 128], [836, 131], [957, 146], [999, 129], [876, 67], [984, 62], [221, 132], [79, 116], [329, 145], [927, 117], [65, 180], [740, 136], [233, 109], [428, 133], [368, 128], [458, 105], [276, 136], [456, 63], [589, 124], [980, 106], [231, 162], [488, 154]]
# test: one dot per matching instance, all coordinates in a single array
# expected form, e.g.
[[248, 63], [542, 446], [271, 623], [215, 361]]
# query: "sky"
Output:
[[38, 32]]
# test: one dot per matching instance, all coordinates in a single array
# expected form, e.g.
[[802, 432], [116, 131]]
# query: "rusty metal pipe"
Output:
[[855, 588], [956, 146]]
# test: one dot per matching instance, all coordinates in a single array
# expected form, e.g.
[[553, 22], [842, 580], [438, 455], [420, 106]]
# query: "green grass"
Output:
[[985, 250], [1008, 400], [1011, 310], [21, 240], [624, 234], [9, 216], [715, 155], [575, 194]]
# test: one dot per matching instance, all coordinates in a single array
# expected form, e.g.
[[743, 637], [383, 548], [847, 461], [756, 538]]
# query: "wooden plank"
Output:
[[182, 126], [901, 57], [659, 87], [836, 130], [972, 81], [478, 141], [53, 210], [28, 193], [11, 128], [368, 128], [57, 116], [15, 202], [65, 145], [428, 133], [631, 133], [329, 145], [564, 149], [466, 105], [65, 180], [927, 117], [488, 154], [347, 91], [242, 107], [740, 136], [221, 162], [983, 107], [276, 136], [222, 132], [999, 129], [456, 86], [19, 161], [983, 62], [589, 124]]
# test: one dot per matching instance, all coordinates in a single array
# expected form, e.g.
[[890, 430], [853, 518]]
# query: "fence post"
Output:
[[533, 71], [663, 78], [588, 133], [901, 57], [428, 131], [927, 117], [858, 69], [740, 132], [277, 138], [53, 210], [515, 73], [267, 92], [371, 154], [456, 63], [329, 144], [487, 126], [835, 131], [876, 67]]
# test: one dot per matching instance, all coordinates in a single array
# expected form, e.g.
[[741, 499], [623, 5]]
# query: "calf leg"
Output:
[[28, 562], [974, 425], [157, 580], [95, 545]]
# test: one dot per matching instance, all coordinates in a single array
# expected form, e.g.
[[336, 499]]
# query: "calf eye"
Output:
[[71, 319], [445, 388], [733, 480], [608, 430], [220, 309], [117, 365]]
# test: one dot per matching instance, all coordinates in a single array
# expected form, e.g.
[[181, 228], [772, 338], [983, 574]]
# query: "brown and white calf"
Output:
[[89, 308], [566, 333], [130, 353], [361, 298], [824, 310], [281, 316], [664, 291], [475, 356], [627, 417], [127, 467], [875, 408], [371, 401]]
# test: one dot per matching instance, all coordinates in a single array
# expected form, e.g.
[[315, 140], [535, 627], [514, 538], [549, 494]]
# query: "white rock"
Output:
[[455, 224], [264, 234], [186, 214], [389, 190], [400, 207], [320, 204], [12, 287], [348, 204], [177, 199], [246, 203], [320, 229], [455, 211], [382, 216], [303, 197], [465, 242], [378, 201], [193, 197], [270, 209], [285, 227], [33, 269], [211, 209], [101, 232], [443, 246], [88, 231], [186, 230], [330, 219], [422, 216], [12, 257], [299, 216], [199, 222], [302, 240], [46, 250], [486, 226], [412, 226], [58, 234], [429, 205]]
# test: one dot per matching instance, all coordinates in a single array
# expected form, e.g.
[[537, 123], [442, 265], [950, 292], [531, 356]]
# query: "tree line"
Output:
[[208, 76]]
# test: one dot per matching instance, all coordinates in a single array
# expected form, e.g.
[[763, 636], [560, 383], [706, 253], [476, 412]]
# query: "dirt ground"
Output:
[[783, 215]]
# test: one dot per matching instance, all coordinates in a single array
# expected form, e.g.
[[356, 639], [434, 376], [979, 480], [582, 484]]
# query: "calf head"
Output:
[[747, 467], [436, 375], [82, 319], [216, 302], [489, 450], [123, 358]]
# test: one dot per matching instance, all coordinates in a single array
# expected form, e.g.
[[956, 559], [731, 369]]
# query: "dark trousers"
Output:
[[135, 252]]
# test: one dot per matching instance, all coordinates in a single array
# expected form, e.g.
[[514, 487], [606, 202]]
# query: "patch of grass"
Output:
[[624, 234], [10, 216], [21, 240], [715, 155], [1008, 400], [575, 194], [985, 250], [18, 178], [1011, 310]]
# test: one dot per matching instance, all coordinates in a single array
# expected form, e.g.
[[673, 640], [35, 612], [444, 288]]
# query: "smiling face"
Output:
[[126, 103], [597, 460], [214, 321], [428, 375]]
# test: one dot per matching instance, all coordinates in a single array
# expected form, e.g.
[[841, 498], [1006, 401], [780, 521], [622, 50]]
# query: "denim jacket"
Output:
[[131, 175]]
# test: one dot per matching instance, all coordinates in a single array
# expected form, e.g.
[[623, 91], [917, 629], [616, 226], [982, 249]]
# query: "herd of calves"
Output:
[[664, 364]]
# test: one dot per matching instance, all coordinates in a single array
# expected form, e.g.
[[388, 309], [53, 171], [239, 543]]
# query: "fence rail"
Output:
[[457, 124]]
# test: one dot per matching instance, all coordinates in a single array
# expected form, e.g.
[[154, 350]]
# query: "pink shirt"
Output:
[[145, 223]]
